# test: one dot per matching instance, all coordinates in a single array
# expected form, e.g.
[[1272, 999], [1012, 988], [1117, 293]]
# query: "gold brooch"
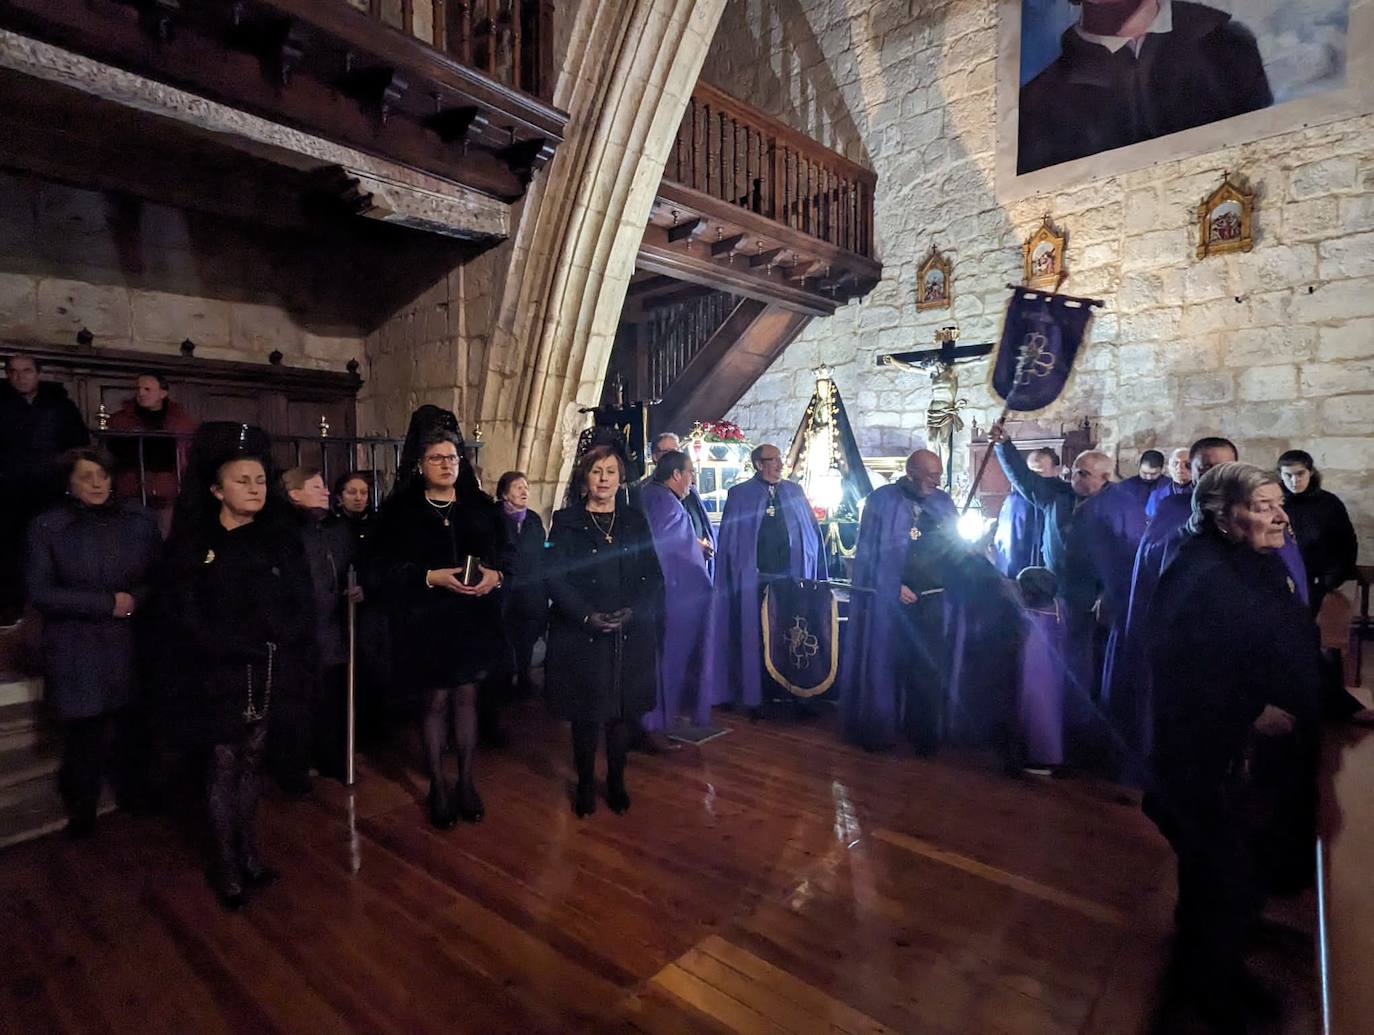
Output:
[[209, 557]]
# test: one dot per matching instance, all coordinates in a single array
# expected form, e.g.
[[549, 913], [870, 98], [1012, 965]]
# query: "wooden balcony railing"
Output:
[[510, 41], [674, 334], [738, 154]]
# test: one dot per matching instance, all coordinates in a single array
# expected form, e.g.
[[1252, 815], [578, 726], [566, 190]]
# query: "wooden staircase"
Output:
[[30, 753], [755, 230]]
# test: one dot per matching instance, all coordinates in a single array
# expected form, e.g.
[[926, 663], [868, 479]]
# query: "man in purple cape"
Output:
[[1127, 691], [894, 669], [684, 638], [1146, 478], [1020, 525], [1179, 481], [767, 530], [667, 442]]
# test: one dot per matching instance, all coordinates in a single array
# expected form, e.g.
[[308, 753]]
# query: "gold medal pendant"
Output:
[[772, 511], [446, 522], [915, 533]]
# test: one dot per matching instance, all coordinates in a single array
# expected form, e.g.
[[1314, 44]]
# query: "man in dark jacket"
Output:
[[1133, 70], [38, 423]]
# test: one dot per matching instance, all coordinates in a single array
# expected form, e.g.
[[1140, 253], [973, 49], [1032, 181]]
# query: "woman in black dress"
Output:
[[1326, 538], [449, 630], [525, 601], [90, 559], [606, 586], [238, 616]]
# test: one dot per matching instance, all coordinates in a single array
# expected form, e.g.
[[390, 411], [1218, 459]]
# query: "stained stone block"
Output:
[[1207, 389], [1336, 378], [18, 305], [1292, 343], [1344, 453], [1351, 340], [1264, 384], [162, 318], [1351, 256], [1346, 414], [65, 306], [1329, 176]]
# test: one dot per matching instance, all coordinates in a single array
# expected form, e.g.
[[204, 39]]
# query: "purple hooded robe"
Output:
[[875, 641], [1163, 489], [737, 595], [1040, 701], [684, 633], [1020, 528]]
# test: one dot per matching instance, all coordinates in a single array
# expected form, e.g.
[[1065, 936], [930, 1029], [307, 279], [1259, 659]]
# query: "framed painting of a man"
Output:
[[1089, 88]]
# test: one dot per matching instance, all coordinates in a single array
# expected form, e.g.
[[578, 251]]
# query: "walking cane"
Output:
[[351, 717]]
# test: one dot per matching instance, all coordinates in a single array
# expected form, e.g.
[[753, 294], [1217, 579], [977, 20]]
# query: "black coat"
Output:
[[583, 680], [1091, 100], [1237, 637], [1326, 539], [443, 639], [225, 596], [329, 547], [32, 436], [79, 557], [524, 597]]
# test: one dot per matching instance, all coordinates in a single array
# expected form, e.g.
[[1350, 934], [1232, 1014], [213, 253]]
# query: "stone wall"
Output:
[[1274, 348], [145, 276]]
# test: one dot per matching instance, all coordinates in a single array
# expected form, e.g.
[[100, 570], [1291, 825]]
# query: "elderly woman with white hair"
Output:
[[1237, 710]]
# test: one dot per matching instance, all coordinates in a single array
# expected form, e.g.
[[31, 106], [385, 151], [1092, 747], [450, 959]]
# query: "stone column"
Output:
[[628, 73]]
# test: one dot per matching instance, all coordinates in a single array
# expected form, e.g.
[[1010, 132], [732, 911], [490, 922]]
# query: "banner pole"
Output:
[[983, 465], [350, 721]]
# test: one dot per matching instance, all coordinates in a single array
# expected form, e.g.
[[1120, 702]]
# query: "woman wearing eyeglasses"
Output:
[[440, 551]]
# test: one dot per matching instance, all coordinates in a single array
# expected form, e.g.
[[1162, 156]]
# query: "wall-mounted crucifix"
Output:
[[942, 362]]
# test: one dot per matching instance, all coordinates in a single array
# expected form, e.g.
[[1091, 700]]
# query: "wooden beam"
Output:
[[695, 264], [767, 257], [686, 231], [727, 245]]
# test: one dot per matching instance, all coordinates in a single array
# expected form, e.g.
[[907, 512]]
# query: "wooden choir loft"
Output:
[[756, 229]]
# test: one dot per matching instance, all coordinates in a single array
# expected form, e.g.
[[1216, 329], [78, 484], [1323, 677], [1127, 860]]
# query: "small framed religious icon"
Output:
[[1043, 253], [934, 282], [1224, 219]]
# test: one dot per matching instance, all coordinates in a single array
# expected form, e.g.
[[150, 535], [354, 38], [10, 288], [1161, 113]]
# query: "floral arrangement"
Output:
[[717, 431]]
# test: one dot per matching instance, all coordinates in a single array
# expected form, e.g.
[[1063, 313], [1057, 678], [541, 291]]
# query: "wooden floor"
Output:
[[772, 880]]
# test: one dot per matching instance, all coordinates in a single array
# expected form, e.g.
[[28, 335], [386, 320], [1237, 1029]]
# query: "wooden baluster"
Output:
[[408, 17], [515, 41], [544, 50], [698, 142], [440, 23], [774, 178], [741, 167], [728, 155], [493, 14]]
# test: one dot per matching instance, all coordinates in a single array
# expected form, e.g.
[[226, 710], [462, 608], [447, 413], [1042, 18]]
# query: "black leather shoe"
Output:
[[618, 799], [257, 874], [470, 808], [585, 802], [441, 816], [228, 889]]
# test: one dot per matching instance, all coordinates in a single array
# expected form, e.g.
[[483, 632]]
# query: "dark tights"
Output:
[[585, 736], [234, 784], [452, 710]]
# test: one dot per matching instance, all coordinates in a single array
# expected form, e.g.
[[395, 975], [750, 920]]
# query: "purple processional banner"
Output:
[[801, 641], [1040, 339]]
